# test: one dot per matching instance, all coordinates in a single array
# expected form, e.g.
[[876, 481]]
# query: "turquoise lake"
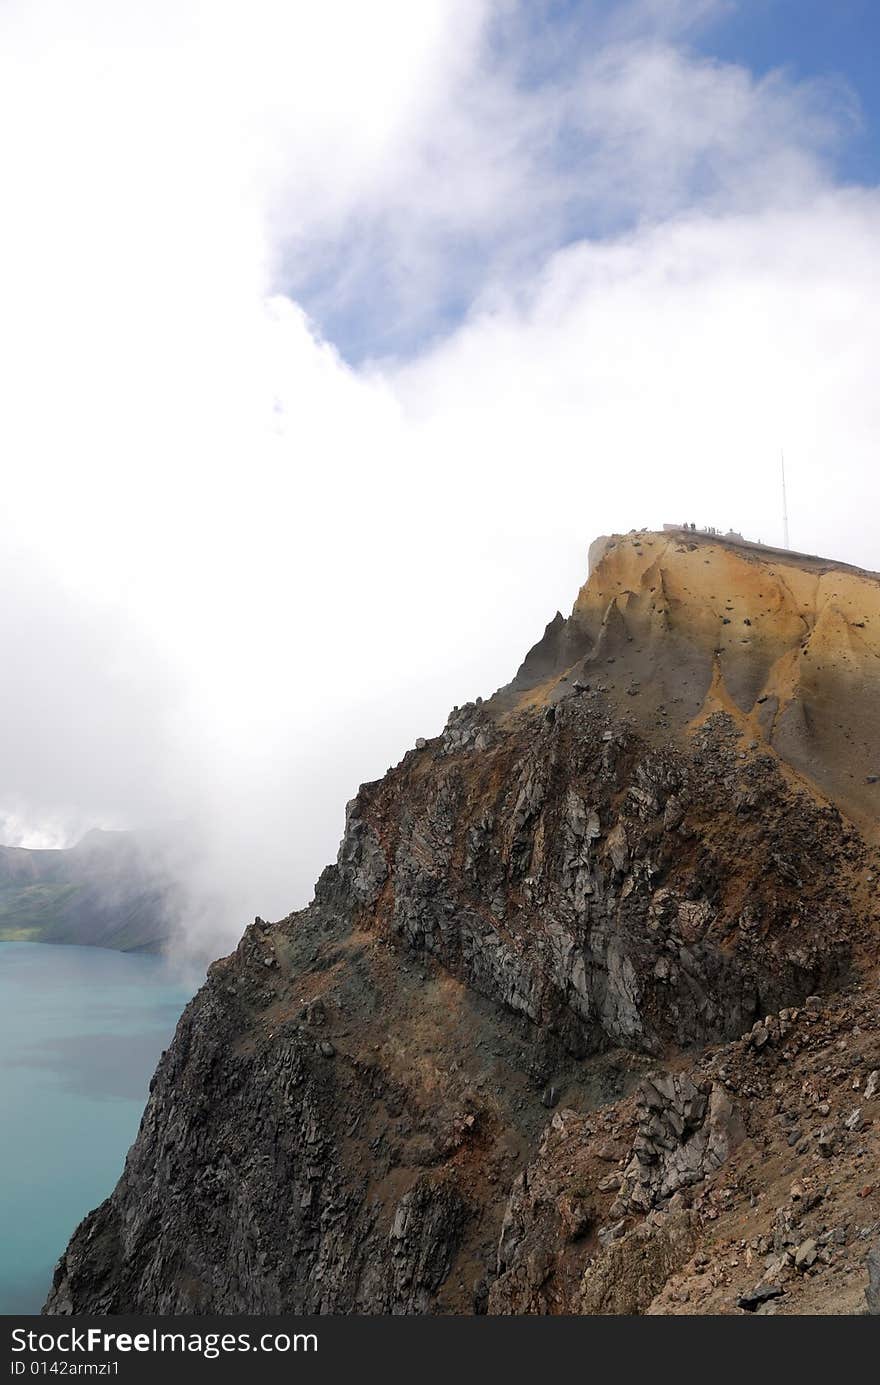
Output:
[[81, 1030]]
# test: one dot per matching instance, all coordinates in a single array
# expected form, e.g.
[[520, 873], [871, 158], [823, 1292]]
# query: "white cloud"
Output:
[[668, 129], [670, 18], [246, 574], [680, 357]]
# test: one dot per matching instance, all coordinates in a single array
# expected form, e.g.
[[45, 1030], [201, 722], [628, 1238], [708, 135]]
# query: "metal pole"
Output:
[[785, 542]]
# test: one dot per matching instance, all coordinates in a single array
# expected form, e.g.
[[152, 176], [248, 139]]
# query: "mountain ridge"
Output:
[[612, 891], [110, 889]]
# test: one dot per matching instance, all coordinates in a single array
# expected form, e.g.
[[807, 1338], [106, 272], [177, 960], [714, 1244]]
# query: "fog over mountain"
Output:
[[330, 338], [112, 889]]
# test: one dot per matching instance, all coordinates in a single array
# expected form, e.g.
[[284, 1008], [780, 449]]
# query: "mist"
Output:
[[330, 339]]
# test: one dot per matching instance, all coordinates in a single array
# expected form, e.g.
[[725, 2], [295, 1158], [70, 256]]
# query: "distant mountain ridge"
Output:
[[112, 889]]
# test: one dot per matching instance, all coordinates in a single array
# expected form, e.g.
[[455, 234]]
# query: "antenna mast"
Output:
[[785, 540]]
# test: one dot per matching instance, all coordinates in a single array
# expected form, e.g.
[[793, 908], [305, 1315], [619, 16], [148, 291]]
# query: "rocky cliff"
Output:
[[584, 1017]]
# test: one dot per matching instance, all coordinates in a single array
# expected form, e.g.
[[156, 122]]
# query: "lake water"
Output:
[[81, 1030]]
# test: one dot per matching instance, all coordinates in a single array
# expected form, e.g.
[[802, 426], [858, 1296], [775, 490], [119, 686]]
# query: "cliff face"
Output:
[[560, 902]]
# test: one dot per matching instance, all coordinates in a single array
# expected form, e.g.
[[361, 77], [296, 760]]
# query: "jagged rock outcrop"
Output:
[[560, 892], [772, 1204], [684, 1132]]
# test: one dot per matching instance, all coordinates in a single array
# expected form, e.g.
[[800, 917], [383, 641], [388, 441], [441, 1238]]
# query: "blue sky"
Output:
[[821, 52], [812, 38]]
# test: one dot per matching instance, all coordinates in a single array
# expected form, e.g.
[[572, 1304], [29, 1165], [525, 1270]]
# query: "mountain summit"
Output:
[[584, 1018], [690, 624]]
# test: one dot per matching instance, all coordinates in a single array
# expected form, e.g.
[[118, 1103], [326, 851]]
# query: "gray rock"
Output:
[[685, 1133], [825, 1142], [805, 1255], [759, 1036], [762, 1293]]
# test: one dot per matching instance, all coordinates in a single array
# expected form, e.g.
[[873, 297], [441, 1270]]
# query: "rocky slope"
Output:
[[584, 1017]]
